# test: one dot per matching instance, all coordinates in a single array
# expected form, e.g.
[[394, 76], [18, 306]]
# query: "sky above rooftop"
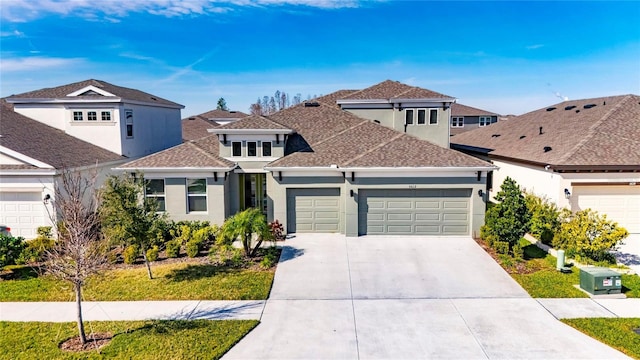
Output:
[[508, 57]]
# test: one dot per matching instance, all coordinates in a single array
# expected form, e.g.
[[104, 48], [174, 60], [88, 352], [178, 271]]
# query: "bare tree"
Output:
[[272, 106], [256, 108], [80, 251], [276, 97]]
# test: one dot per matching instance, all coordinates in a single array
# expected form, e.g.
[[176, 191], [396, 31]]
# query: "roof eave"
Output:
[[250, 131], [165, 169]]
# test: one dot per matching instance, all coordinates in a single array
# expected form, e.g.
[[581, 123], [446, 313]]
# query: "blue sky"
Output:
[[503, 56]]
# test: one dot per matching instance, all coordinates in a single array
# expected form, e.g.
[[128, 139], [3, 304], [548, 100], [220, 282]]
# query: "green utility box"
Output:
[[600, 280]]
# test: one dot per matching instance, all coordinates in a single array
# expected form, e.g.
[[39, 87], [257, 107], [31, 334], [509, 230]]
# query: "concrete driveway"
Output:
[[404, 298]]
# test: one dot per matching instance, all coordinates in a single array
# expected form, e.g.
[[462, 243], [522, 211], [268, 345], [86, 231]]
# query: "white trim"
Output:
[[90, 88], [395, 101], [25, 158], [386, 169], [177, 169], [91, 101], [26, 172], [251, 131]]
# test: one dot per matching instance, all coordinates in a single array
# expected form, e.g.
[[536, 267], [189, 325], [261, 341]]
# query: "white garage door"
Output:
[[620, 203], [23, 212], [414, 212], [313, 210]]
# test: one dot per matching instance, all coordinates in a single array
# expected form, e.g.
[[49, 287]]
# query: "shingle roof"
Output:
[[590, 132], [61, 92], [195, 127], [458, 109], [200, 153], [223, 114], [254, 122], [336, 137], [46, 144], [389, 89], [330, 99]]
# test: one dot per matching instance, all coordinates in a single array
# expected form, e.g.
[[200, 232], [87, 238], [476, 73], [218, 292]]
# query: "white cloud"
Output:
[[110, 10], [535, 46], [35, 63], [13, 33]]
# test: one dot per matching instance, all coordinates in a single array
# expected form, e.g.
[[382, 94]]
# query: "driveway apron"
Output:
[[381, 297]]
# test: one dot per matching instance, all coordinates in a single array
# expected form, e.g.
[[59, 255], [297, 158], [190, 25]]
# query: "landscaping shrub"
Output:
[[270, 258], [152, 254], [130, 254], [10, 249], [192, 248], [35, 249], [588, 235], [277, 230], [173, 248], [507, 220], [544, 218], [502, 247]]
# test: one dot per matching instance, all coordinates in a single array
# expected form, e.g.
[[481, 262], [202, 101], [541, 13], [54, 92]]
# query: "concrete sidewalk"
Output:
[[591, 308], [132, 310]]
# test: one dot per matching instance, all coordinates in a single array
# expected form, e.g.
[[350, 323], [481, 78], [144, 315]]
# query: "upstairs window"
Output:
[[408, 117], [128, 116], [252, 148], [457, 121], [77, 116], [485, 120], [266, 148], [433, 117], [196, 195], [422, 116], [154, 188], [92, 116], [106, 116], [236, 148]]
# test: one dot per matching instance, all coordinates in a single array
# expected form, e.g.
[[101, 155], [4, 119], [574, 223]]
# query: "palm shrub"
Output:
[[544, 218], [250, 226], [587, 235], [508, 220]]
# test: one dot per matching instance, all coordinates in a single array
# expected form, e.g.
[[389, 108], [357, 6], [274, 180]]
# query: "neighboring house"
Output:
[[465, 118], [125, 121], [580, 154], [76, 127], [195, 127], [319, 168], [32, 156]]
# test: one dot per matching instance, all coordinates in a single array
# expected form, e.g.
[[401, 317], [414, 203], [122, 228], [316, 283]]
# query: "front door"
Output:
[[253, 192]]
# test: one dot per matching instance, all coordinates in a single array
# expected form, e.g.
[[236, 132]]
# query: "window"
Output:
[[457, 121], [252, 148], [408, 117], [485, 120], [155, 189], [236, 148], [92, 116], [77, 116], [196, 195], [433, 117], [128, 115], [266, 148], [422, 115], [106, 116]]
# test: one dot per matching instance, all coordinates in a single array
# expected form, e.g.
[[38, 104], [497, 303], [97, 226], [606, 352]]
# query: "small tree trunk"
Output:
[[254, 251], [78, 290], [246, 244], [146, 262]]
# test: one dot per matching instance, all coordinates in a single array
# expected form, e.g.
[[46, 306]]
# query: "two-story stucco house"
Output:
[[80, 126], [465, 118], [373, 161]]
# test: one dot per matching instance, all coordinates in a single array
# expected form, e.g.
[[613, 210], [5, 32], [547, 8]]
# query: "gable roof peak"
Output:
[[394, 90]]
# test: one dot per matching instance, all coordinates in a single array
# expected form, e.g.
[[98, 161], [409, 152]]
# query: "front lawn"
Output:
[[195, 339], [537, 274], [191, 280], [615, 332]]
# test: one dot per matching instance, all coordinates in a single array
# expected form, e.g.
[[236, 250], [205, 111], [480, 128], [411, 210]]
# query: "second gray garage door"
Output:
[[414, 212], [313, 210]]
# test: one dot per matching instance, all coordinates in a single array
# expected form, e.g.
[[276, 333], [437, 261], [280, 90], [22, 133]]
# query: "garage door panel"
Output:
[[23, 212], [427, 212], [620, 203], [313, 210]]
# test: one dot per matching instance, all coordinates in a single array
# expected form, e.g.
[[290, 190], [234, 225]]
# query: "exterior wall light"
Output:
[[567, 194]]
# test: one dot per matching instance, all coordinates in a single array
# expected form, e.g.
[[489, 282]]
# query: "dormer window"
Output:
[[92, 116], [236, 148], [457, 121], [77, 116], [252, 148], [485, 120], [106, 116]]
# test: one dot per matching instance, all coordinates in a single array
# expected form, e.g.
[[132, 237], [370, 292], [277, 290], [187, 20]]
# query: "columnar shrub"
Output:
[[507, 220], [173, 248], [587, 234], [152, 254], [130, 254]]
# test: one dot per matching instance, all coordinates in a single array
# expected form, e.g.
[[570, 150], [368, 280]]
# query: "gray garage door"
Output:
[[414, 212], [313, 210]]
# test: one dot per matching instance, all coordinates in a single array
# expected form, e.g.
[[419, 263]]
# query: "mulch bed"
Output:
[[94, 342], [518, 267]]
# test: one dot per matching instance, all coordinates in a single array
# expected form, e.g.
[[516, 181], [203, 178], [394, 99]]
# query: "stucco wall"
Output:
[[176, 200], [154, 129]]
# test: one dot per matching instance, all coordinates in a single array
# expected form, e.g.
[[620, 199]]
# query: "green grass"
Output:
[[195, 339], [178, 281], [615, 332]]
